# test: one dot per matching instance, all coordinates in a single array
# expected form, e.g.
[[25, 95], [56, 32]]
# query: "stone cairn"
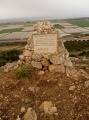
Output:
[[53, 62]]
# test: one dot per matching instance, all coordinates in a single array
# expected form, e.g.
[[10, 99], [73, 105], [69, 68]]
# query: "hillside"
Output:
[[70, 96]]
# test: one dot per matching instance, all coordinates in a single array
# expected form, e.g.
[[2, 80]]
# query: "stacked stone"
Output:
[[56, 62]]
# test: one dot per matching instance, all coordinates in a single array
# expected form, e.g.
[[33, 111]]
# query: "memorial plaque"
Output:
[[45, 43]]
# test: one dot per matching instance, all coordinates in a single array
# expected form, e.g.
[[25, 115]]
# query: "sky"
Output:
[[50, 9]]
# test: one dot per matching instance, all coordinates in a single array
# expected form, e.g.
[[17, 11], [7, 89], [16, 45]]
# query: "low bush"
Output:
[[84, 53], [9, 56], [25, 71], [72, 55], [2, 62]]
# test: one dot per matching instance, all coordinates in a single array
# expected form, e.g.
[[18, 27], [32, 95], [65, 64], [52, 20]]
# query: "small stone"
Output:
[[23, 109], [33, 89], [19, 62], [30, 114], [41, 72], [72, 88], [18, 118], [68, 63], [57, 59], [27, 53], [87, 83], [57, 68], [21, 57], [36, 57], [27, 100], [45, 62], [36, 64], [48, 108]]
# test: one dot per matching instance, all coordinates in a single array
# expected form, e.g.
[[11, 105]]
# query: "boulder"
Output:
[[57, 59], [36, 64], [27, 53], [21, 57], [45, 62], [36, 57]]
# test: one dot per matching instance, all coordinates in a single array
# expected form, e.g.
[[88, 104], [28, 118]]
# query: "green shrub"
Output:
[[25, 71], [84, 53], [2, 62], [12, 55], [72, 55]]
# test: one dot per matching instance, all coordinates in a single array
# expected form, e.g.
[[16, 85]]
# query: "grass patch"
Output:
[[25, 71], [80, 23], [57, 26], [10, 30]]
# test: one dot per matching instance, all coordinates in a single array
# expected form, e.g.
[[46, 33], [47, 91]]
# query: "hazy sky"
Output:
[[43, 8]]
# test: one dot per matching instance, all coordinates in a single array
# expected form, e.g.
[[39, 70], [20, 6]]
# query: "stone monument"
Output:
[[45, 49]]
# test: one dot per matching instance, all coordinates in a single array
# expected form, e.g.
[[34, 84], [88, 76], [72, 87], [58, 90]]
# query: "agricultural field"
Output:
[[80, 23], [57, 26], [10, 30]]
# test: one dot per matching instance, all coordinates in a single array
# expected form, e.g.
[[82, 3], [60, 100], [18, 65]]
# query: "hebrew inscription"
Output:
[[45, 43]]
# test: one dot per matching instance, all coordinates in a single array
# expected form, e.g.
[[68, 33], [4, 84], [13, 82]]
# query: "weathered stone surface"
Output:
[[11, 66], [36, 64], [27, 53], [18, 118], [21, 57], [57, 68], [47, 56], [45, 62], [30, 115], [36, 57], [41, 72], [87, 83], [68, 63], [72, 72], [48, 107], [72, 88], [57, 59], [19, 62], [23, 110]]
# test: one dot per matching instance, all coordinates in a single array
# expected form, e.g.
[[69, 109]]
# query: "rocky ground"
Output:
[[69, 97]]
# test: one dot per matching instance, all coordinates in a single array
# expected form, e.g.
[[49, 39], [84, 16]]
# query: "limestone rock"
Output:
[[27, 53], [36, 64], [23, 109], [48, 107], [18, 118], [36, 57], [45, 62], [21, 57], [30, 115], [47, 56], [41, 72], [19, 62], [57, 59], [87, 83], [57, 68], [72, 88], [68, 63]]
